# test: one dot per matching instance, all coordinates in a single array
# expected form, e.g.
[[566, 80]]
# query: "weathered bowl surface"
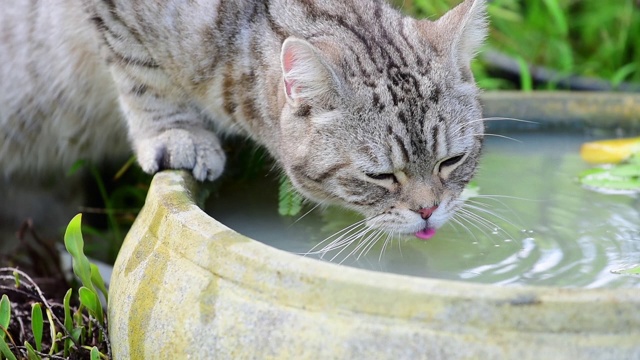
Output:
[[185, 286]]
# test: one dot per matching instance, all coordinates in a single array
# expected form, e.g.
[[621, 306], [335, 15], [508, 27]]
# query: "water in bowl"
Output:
[[531, 223]]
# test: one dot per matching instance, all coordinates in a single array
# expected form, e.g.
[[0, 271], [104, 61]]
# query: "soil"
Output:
[[35, 262]]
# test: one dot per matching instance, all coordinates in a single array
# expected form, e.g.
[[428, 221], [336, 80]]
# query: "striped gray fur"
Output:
[[359, 104]]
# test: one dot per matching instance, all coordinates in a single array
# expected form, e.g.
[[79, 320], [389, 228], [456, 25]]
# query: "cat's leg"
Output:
[[166, 129]]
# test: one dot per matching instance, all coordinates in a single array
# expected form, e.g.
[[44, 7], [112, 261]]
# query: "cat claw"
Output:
[[182, 149]]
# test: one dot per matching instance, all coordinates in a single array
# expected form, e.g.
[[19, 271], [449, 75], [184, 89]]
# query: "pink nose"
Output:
[[425, 213]]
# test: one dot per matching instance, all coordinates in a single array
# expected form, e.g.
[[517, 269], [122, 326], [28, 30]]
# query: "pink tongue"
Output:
[[426, 234]]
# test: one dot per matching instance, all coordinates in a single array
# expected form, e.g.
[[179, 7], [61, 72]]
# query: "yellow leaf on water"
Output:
[[609, 151]]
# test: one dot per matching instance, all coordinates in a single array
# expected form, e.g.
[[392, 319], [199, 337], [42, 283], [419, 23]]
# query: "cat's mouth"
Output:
[[426, 233]]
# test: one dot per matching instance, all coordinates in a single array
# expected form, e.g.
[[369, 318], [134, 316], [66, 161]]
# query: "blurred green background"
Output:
[[554, 44]]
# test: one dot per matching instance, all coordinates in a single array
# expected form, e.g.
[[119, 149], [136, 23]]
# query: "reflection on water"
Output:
[[537, 225]]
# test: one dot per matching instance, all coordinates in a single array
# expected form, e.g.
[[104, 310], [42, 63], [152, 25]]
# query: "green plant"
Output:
[[591, 38], [616, 178], [634, 270], [122, 195], [289, 200], [73, 331], [622, 177]]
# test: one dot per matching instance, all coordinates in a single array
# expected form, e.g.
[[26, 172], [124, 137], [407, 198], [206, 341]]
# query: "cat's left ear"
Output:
[[462, 30], [308, 77]]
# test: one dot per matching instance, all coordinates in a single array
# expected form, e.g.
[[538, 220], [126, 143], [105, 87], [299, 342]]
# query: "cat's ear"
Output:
[[464, 28], [308, 78]]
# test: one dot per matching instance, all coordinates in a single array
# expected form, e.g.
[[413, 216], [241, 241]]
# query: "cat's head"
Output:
[[389, 126]]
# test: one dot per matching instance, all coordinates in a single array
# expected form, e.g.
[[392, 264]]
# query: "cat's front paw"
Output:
[[198, 151]]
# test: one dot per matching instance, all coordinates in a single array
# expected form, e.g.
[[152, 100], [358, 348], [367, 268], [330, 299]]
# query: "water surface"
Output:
[[532, 223]]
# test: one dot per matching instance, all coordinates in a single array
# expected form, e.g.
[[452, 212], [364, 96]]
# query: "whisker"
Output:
[[495, 214], [480, 220], [358, 237], [492, 213], [500, 118], [363, 241], [498, 229], [495, 197], [372, 242], [464, 217], [384, 245], [337, 235], [479, 203], [366, 243], [464, 226], [500, 136], [343, 241], [456, 227], [305, 214], [456, 131]]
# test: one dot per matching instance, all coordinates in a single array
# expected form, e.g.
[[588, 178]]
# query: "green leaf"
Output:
[[75, 246], [68, 320], [5, 314], [626, 170], [37, 324], [66, 302], [622, 177], [95, 354], [52, 333], [78, 319], [90, 300], [76, 166], [558, 16], [622, 73], [97, 281], [634, 270], [31, 354], [526, 81], [125, 167], [4, 350], [289, 201], [76, 333]]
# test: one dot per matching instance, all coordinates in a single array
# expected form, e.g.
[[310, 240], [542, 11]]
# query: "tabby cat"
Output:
[[360, 105]]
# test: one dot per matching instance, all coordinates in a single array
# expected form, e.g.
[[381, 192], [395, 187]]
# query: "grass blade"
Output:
[[37, 325], [16, 279], [95, 354], [98, 282], [526, 81], [90, 300], [31, 354], [5, 314], [4, 350], [558, 16], [52, 332], [75, 246], [68, 320]]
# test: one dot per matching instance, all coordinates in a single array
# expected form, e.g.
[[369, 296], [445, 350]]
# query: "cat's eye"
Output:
[[450, 161], [383, 177]]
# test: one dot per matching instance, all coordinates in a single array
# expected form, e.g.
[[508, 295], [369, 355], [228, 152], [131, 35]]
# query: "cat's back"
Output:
[[57, 100]]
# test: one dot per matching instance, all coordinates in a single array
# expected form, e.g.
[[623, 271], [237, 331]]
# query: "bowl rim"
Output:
[[315, 285]]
